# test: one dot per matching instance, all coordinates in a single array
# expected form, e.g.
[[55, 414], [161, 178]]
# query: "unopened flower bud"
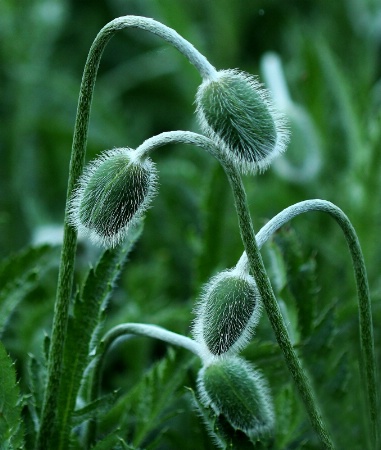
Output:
[[112, 194], [236, 111], [228, 310], [231, 386]]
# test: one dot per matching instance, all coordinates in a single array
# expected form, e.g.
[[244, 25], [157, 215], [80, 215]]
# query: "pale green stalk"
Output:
[[257, 269], [49, 425]]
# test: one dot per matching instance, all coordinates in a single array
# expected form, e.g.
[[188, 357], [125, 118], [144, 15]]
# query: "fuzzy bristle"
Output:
[[113, 192], [236, 112]]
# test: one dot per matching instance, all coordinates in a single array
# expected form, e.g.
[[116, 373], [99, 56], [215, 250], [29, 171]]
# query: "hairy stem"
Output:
[[368, 361], [48, 424], [271, 306], [257, 269], [125, 330]]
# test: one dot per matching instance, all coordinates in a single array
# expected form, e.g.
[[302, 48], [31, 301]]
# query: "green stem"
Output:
[[257, 269], [125, 330], [272, 307], [65, 278], [368, 360]]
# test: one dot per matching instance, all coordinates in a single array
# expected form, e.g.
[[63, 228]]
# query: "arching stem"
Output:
[[65, 278], [368, 360]]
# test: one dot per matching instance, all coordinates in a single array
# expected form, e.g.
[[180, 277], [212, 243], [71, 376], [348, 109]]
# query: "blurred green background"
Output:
[[330, 52]]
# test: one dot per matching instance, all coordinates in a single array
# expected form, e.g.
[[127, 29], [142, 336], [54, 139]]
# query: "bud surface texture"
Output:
[[236, 111], [231, 386], [113, 192], [228, 311]]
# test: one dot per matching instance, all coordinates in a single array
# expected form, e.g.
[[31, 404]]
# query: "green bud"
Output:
[[227, 312], [236, 112], [113, 192], [231, 386]]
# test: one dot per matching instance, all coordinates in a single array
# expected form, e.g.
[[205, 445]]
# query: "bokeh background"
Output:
[[329, 56]]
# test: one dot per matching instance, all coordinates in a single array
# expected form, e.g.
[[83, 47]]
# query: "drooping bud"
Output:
[[232, 387], [113, 192], [227, 312], [236, 111]]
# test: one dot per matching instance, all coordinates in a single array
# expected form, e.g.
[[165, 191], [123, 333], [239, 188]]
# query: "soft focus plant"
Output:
[[107, 200]]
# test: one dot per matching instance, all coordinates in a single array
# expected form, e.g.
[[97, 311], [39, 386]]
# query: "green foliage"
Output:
[[11, 428], [191, 232], [113, 441], [96, 408], [88, 314], [19, 275], [143, 411], [298, 282]]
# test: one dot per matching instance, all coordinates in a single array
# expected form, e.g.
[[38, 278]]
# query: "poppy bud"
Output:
[[231, 386], [227, 312], [236, 111], [113, 192]]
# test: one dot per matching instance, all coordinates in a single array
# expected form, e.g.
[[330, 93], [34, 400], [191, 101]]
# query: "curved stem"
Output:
[[257, 269], [368, 361], [127, 329], [66, 271]]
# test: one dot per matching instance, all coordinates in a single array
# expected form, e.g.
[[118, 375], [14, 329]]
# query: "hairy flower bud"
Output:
[[113, 192], [236, 111], [231, 386], [227, 312]]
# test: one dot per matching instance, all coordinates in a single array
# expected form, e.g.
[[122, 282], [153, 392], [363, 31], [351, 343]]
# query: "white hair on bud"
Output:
[[104, 232], [241, 394], [234, 329], [253, 154]]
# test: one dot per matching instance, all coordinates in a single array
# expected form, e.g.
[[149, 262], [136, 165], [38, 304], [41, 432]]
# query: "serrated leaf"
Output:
[[93, 409], [37, 378], [111, 441], [321, 339], [89, 305], [143, 410], [11, 435], [20, 274]]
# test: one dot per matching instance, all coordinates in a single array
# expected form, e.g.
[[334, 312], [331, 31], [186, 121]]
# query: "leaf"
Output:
[[19, 275], [301, 279], [96, 408], [288, 416], [89, 306], [320, 342], [11, 435], [36, 371], [111, 441], [37, 379], [143, 410]]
